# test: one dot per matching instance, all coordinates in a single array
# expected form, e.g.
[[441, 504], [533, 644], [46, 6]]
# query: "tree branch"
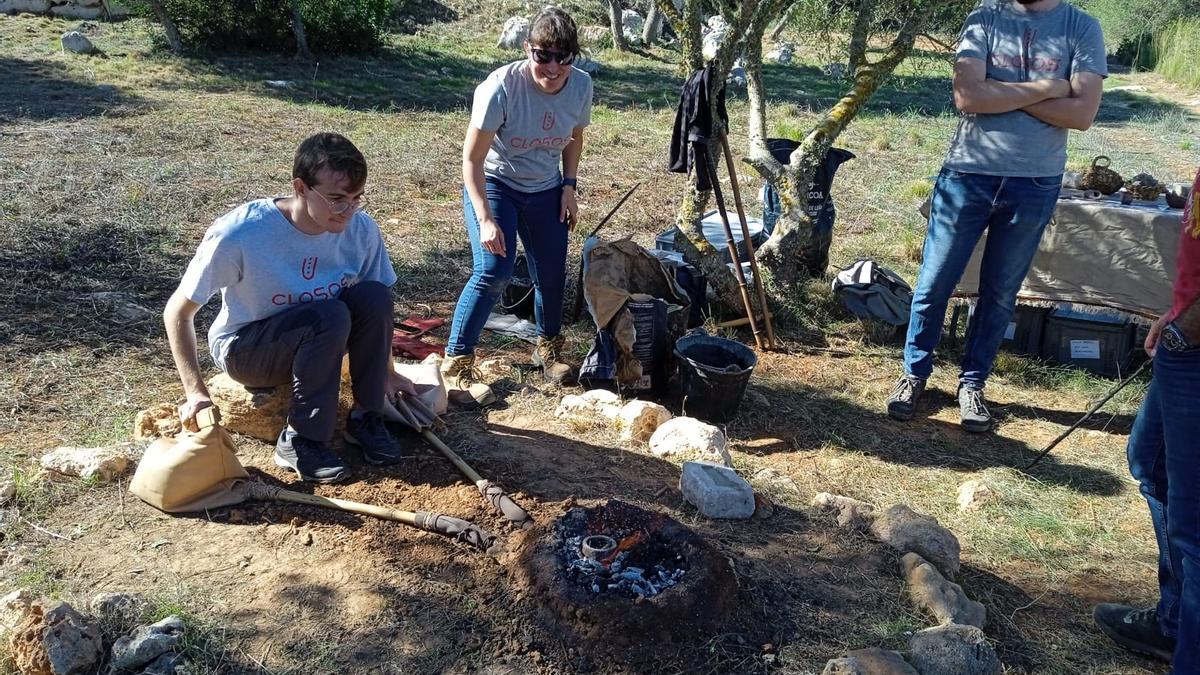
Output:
[[860, 34], [939, 43]]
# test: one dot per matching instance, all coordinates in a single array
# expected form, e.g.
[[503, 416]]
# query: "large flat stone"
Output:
[[716, 490]]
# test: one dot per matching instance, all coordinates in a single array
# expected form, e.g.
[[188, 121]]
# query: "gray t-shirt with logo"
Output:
[[263, 265], [531, 126], [1022, 46]]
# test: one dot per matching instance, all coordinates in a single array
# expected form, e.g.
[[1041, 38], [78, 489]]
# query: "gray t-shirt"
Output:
[[263, 265], [1022, 46], [531, 126]]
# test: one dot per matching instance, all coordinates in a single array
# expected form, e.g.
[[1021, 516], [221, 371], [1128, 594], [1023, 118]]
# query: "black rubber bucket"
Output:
[[713, 373]]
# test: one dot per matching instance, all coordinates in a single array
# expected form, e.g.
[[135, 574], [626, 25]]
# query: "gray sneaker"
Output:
[[902, 403], [972, 409], [1135, 629], [313, 462]]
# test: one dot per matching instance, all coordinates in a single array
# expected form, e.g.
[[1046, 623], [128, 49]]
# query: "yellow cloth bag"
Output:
[[192, 471]]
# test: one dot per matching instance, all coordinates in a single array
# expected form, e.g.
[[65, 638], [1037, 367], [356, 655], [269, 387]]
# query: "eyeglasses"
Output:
[[544, 56], [341, 205]]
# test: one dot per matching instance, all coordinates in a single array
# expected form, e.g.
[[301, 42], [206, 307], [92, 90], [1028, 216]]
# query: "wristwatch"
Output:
[[573, 182], [1174, 339]]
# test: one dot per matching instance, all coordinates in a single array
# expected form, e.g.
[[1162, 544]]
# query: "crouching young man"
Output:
[[304, 279]]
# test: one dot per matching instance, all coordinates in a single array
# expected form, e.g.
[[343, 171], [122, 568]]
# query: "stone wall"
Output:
[[74, 9]]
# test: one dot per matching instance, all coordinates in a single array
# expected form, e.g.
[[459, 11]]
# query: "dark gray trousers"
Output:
[[304, 346]]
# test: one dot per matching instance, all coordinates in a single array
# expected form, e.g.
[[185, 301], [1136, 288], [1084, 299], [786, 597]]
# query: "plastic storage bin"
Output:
[[1102, 344]]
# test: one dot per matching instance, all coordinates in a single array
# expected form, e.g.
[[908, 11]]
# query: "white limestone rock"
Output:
[[102, 464], [514, 33], [688, 435], [717, 491], [640, 419]]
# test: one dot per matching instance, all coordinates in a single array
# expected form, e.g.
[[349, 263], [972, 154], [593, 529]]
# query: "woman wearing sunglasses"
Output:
[[520, 161]]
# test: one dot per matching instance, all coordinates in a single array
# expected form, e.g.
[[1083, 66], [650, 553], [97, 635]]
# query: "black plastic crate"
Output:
[[1098, 343], [1024, 332]]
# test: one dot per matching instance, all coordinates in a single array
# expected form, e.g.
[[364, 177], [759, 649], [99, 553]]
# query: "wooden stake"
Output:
[[737, 201], [733, 252]]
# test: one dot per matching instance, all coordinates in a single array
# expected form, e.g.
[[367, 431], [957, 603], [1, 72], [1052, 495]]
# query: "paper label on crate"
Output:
[[1085, 349], [1011, 331]]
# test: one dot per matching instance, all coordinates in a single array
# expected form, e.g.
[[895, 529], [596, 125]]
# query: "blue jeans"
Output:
[[1164, 457], [1014, 211], [534, 217]]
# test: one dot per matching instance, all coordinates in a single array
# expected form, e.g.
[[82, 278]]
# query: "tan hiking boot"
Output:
[[463, 386], [548, 355]]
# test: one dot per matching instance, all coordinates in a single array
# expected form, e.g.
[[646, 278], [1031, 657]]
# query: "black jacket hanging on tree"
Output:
[[694, 124]]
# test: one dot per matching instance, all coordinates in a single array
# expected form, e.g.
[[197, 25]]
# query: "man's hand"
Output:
[[569, 213], [976, 93], [491, 237], [1076, 110], [188, 409]]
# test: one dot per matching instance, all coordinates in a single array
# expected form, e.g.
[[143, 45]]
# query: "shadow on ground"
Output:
[[921, 442], [100, 285], [41, 90]]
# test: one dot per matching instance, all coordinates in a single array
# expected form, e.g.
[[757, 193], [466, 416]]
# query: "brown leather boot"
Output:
[[548, 355], [463, 386]]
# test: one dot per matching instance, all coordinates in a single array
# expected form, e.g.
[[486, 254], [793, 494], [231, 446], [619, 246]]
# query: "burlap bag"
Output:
[[192, 471]]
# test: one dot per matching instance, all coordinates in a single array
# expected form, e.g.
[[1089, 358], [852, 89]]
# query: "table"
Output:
[[1098, 254]]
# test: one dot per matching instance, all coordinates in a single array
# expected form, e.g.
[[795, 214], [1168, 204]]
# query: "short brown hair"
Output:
[[553, 28], [329, 151]]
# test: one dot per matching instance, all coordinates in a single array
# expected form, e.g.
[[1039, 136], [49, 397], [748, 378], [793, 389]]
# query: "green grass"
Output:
[[1178, 51], [111, 186]]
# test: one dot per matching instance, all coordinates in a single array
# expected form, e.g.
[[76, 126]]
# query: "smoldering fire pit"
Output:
[[617, 573]]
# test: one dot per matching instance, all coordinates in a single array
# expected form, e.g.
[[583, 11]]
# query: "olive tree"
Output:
[[878, 36]]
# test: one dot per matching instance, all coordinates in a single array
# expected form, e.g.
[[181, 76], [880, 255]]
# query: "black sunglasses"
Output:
[[544, 56]]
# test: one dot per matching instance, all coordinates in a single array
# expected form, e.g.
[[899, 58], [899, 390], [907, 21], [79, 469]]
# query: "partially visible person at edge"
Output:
[[304, 279], [520, 164], [1164, 457], [1026, 72]]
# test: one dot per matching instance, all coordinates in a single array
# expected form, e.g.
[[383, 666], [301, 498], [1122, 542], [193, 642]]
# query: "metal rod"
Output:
[[1087, 415], [710, 165], [737, 202], [577, 306]]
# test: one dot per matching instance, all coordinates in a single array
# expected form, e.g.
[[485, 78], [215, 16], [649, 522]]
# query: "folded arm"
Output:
[[1076, 111], [975, 93]]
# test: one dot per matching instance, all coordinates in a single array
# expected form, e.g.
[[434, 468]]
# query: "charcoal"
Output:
[[618, 576]]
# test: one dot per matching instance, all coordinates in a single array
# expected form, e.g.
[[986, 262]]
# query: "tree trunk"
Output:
[[173, 39], [617, 26], [785, 253], [783, 21], [653, 27], [302, 51]]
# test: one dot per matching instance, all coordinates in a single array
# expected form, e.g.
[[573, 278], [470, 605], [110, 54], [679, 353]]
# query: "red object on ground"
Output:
[[414, 326], [406, 338]]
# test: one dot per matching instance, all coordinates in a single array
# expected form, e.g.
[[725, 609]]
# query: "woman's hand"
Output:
[[1151, 343], [491, 237], [569, 213]]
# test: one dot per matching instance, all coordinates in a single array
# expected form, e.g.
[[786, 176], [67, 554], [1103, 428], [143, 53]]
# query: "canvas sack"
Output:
[[192, 471]]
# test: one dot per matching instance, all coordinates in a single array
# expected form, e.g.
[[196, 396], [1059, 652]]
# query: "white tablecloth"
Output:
[[1098, 254]]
